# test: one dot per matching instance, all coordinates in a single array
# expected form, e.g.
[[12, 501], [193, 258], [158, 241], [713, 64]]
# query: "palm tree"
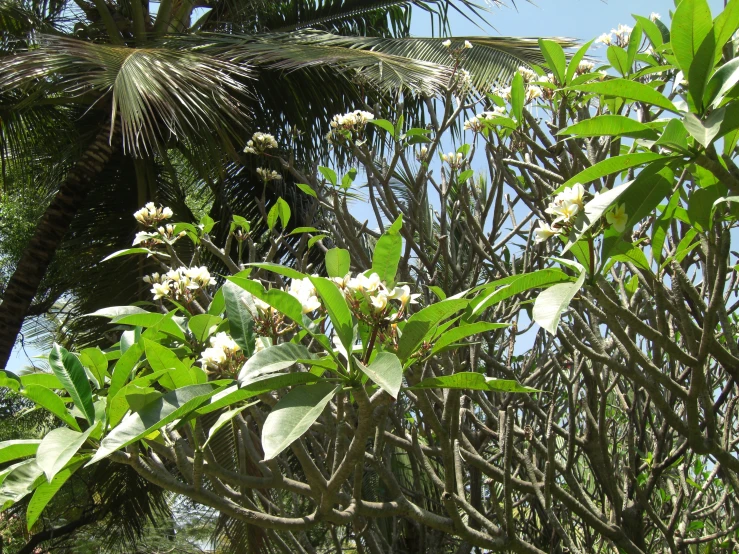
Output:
[[132, 90]]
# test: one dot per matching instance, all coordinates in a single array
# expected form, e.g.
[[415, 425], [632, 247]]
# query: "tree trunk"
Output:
[[54, 224]]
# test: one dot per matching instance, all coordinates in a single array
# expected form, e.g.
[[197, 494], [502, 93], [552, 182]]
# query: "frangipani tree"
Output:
[[564, 380]]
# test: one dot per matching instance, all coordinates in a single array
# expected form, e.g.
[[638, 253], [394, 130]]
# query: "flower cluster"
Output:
[[183, 282], [619, 37], [455, 160], [259, 143], [268, 174], [222, 349], [351, 121], [477, 123], [306, 294], [422, 153], [565, 207], [448, 44], [463, 84], [145, 238], [372, 292], [150, 215], [528, 75], [584, 67]]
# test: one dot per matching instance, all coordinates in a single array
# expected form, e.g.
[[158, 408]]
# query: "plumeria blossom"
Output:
[[584, 67], [533, 92], [618, 218], [145, 239], [654, 16], [467, 45], [447, 43], [403, 293], [543, 232], [222, 347], [183, 282], [304, 291], [260, 143], [454, 159], [623, 34], [352, 121], [268, 174], [363, 283], [529, 76], [422, 153], [605, 38], [464, 83], [150, 215]]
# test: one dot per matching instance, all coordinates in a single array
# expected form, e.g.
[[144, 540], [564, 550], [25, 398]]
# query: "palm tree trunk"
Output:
[[23, 285]]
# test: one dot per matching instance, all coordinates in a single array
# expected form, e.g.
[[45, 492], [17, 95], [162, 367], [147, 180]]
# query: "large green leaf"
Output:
[[693, 44], [72, 376], [46, 380], [550, 303], [386, 256], [162, 322], [94, 360], [721, 82], [470, 380], [271, 360], [17, 481], [385, 370], [46, 491], [612, 165], [58, 447], [240, 320], [518, 97], [280, 300], [421, 324], [575, 61], [619, 59], [202, 326], [338, 261], [724, 26], [555, 56], [156, 415], [293, 415], [464, 331], [628, 89], [50, 400], [337, 308], [123, 368], [610, 125], [14, 449], [499, 290]]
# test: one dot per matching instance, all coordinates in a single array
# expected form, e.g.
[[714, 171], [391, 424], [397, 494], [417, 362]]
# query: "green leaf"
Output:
[[693, 44], [721, 82], [612, 165], [49, 400], [550, 303], [307, 189], [58, 447], [240, 319], [555, 57], [628, 253], [610, 125], [162, 322], [705, 132], [421, 324], [619, 59], [138, 397], [338, 261], [271, 360], [470, 380], [384, 124], [337, 308], [329, 173], [518, 96], [127, 252], [575, 61], [462, 332], [499, 290], [203, 326], [386, 256], [630, 90], [162, 358], [137, 425], [17, 481], [385, 370], [651, 29], [280, 210], [700, 205], [94, 360], [72, 376], [280, 300], [46, 491], [123, 368], [222, 420], [634, 44], [293, 415], [14, 449], [674, 137], [47, 380], [118, 311], [724, 26], [207, 223], [10, 380], [348, 179], [279, 269], [466, 174]]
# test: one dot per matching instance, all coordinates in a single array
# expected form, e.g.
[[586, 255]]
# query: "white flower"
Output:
[[200, 275], [213, 356], [352, 121], [623, 33], [379, 300], [584, 67], [567, 204], [259, 143], [654, 16], [532, 93], [618, 218], [447, 43], [342, 282], [421, 154], [503, 92], [464, 83], [167, 213], [224, 342], [543, 232], [454, 159], [150, 215], [222, 347], [144, 237], [264, 308], [362, 283], [527, 74], [304, 291], [160, 290], [268, 174], [474, 124], [605, 38], [467, 44], [575, 194], [403, 294]]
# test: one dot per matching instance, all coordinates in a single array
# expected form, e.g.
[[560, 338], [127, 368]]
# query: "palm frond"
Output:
[[159, 93]]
